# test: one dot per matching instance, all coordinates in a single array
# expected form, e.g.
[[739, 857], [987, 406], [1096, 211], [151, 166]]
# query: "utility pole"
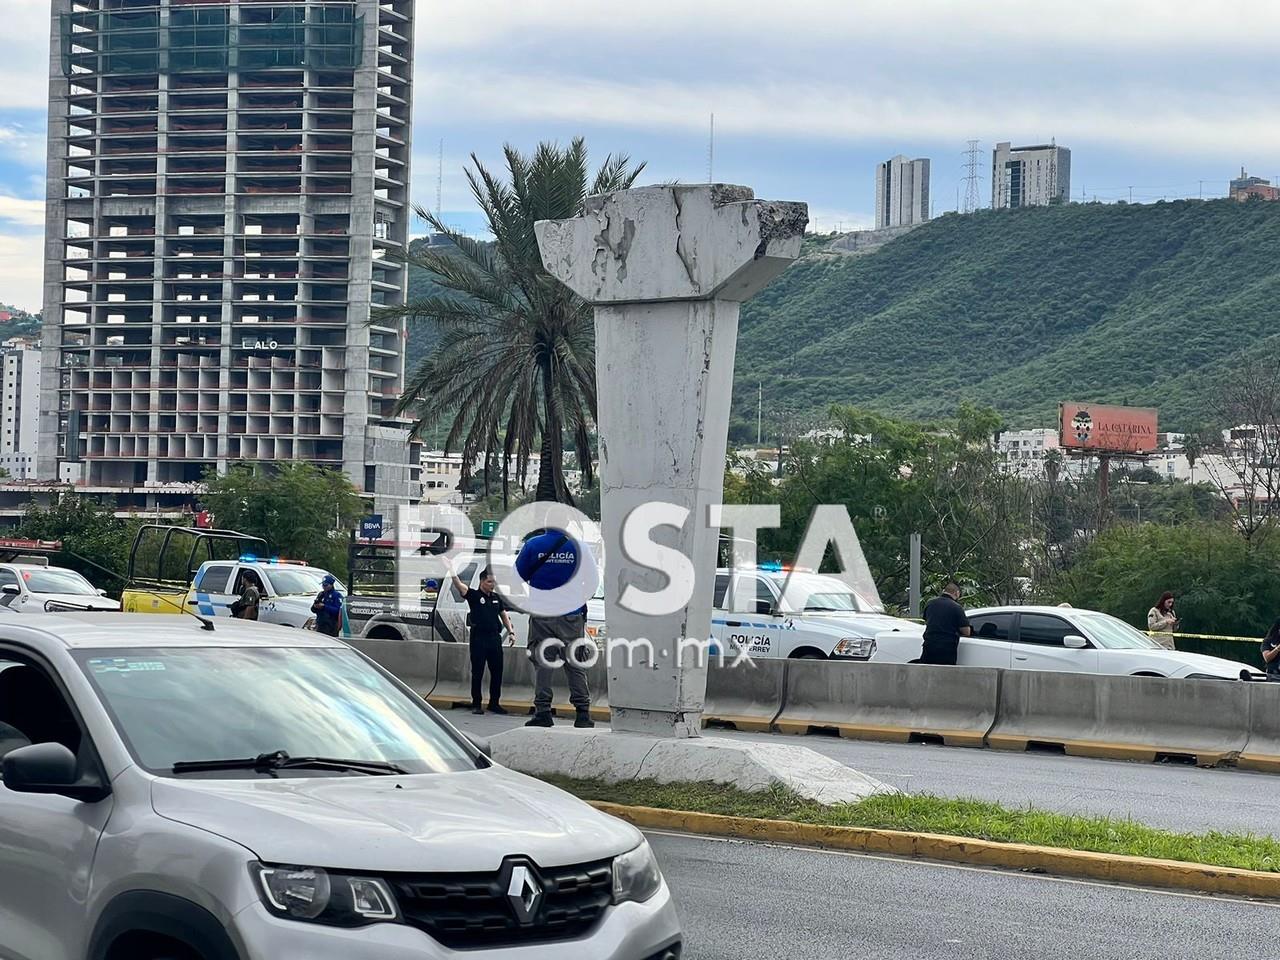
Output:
[[711, 152], [440, 180], [759, 415], [913, 588]]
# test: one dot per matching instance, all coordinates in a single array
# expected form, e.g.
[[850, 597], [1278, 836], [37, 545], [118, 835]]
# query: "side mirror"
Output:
[[1074, 642], [481, 744], [49, 768], [764, 607], [102, 593], [10, 588]]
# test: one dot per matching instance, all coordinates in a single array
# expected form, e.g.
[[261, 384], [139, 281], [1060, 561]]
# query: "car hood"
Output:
[[1178, 664], [92, 601], [464, 821], [851, 624]]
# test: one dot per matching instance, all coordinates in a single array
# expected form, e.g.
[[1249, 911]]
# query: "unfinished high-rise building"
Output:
[[227, 190]]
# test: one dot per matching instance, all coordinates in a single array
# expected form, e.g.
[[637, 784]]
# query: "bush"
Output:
[[1223, 583]]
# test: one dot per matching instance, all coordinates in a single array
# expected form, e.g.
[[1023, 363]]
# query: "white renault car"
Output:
[[821, 619], [1064, 639], [37, 588], [174, 789]]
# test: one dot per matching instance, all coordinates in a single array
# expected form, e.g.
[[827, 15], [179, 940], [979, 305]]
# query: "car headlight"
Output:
[[311, 893], [636, 876], [861, 648], [310, 624]]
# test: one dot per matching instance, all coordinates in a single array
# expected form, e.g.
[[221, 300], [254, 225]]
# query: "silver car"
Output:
[[240, 791]]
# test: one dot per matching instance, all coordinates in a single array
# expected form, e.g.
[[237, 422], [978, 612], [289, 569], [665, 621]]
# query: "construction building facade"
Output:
[[227, 190]]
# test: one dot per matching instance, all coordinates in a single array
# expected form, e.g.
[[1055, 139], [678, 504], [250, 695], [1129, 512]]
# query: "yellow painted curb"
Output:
[[1109, 867], [853, 731]]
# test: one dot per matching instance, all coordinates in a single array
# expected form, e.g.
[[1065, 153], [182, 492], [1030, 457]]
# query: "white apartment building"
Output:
[[20, 408], [227, 192], [902, 192], [1033, 176], [1022, 452]]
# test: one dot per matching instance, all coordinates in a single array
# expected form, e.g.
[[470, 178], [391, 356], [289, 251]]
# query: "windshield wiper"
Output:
[[270, 762]]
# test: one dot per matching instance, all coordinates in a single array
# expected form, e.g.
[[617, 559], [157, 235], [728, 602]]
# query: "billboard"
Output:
[[1106, 429]]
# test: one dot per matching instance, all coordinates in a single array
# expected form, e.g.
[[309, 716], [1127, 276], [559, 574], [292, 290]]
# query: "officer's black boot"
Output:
[[540, 720], [584, 719]]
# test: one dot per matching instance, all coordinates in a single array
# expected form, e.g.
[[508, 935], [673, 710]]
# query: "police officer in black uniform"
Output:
[[488, 617], [945, 623]]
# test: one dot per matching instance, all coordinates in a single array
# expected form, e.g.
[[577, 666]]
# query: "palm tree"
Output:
[[514, 367]]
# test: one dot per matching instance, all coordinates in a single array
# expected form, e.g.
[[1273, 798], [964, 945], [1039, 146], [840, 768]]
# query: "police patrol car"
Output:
[[288, 588], [823, 619]]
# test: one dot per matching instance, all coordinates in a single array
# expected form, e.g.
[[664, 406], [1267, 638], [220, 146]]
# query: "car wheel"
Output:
[[808, 655]]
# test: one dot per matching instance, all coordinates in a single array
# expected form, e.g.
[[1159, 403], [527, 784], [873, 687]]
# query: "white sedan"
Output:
[[35, 588], [1064, 639]]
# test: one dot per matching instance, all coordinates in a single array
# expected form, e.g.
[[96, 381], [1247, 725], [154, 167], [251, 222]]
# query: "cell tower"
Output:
[[971, 163]]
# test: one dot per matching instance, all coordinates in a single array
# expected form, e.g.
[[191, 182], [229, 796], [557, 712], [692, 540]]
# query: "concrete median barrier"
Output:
[[745, 698], [413, 662], [889, 701], [453, 677], [1123, 718], [453, 688], [1262, 751]]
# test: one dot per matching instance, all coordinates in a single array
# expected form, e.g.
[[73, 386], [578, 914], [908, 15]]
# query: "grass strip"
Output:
[[923, 813]]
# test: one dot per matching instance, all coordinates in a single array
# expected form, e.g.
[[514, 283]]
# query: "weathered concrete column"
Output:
[[666, 269]]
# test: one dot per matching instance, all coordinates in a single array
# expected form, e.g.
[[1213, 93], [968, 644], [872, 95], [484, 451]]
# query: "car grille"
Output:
[[464, 910]]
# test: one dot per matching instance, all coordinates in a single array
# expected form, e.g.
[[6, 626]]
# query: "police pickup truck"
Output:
[[822, 619]]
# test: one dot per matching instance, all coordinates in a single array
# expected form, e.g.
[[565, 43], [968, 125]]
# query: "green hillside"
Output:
[[1021, 309], [1016, 309]]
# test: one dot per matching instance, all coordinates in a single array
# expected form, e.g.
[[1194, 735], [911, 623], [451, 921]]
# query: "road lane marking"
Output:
[[1215, 898]]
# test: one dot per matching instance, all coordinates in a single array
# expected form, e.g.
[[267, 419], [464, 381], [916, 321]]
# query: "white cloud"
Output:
[[24, 54], [26, 213], [21, 271], [1208, 124], [910, 25]]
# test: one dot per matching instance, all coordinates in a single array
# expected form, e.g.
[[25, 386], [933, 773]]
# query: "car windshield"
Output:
[[287, 581], [1112, 634], [176, 705], [57, 580], [819, 594]]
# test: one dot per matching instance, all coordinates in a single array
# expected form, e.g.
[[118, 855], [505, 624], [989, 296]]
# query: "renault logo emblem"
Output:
[[525, 894]]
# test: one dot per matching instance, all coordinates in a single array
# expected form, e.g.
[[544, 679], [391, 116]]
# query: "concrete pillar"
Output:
[[666, 269]]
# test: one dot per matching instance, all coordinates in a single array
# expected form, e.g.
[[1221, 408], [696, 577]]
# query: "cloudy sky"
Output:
[[1161, 97]]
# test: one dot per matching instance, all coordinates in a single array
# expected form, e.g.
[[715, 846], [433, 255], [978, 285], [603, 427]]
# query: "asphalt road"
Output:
[[1172, 797], [744, 901]]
